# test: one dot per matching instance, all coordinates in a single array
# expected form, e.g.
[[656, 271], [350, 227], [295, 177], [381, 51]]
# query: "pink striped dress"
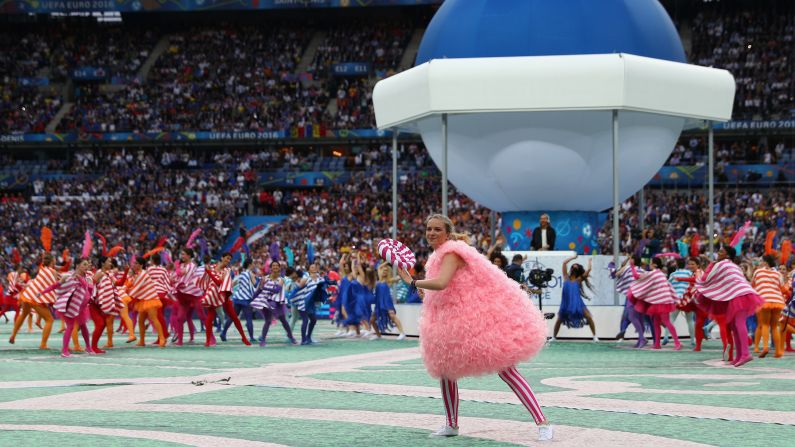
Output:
[[187, 281], [652, 294], [724, 291], [72, 298]]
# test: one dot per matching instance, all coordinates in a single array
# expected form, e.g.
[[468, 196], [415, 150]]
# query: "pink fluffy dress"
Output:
[[482, 323]]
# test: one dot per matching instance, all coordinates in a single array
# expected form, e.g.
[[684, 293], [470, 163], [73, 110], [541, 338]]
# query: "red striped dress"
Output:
[[770, 285], [46, 277], [144, 292], [217, 286], [187, 280], [652, 294], [106, 296], [162, 281], [724, 291], [16, 282]]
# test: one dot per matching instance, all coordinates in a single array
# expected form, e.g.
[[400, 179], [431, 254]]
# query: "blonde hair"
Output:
[[450, 228]]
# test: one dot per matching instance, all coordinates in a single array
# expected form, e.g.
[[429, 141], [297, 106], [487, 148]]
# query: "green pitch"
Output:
[[359, 392]]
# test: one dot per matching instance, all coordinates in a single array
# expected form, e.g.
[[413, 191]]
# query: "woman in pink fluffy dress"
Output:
[[457, 278], [723, 292]]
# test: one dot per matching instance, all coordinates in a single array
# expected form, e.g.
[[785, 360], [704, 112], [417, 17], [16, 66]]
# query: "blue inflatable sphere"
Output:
[[501, 28]]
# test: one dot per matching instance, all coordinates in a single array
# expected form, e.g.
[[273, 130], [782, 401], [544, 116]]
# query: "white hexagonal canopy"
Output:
[[553, 83]]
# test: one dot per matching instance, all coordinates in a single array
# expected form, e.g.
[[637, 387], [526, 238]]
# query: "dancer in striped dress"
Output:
[[688, 303], [625, 277], [723, 292], [144, 292], [770, 284], [73, 292], [271, 302], [217, 284], [32, 297], [653, 295], [244, 287], [17, 280], [106, 301], [680, 285], [303, 300], [162, 281], [187, 292]]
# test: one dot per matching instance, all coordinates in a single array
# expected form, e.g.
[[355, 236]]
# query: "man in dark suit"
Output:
[[544, 235]]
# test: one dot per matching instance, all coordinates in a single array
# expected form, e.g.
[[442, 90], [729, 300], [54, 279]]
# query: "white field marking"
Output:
[[732, 384], [180, 438], [73, 361]]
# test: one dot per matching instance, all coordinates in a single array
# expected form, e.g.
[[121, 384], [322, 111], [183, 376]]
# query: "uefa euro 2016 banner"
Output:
[[308, 131], [47, 6]]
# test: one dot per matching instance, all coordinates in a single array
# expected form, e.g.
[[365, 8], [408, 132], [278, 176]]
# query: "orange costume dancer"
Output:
[[32, 298], [144, 293], [770, 285], [106, 302], [217, 283], [162, 281], [124, 313]]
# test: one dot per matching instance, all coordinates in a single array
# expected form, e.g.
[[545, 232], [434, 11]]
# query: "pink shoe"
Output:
[[742, 361], [678, 347], [66, 354]]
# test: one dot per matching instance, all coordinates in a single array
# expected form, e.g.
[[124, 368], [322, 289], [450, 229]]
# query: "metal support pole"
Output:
[[642, 209], [711, 193], [616, 209], [444, 164], [492, 224], [394, 183]]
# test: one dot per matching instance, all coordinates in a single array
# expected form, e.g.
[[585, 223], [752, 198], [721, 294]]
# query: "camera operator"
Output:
[[514, 271]]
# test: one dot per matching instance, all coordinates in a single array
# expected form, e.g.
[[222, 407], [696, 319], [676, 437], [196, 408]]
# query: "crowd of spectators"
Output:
[[233, 76], [135, 196], [670, 216], [757, 47], [25, 109], [692, 150], [379, 44]]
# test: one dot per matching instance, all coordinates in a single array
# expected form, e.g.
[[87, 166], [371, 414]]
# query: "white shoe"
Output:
[[339, 333], [620, 340], [595, 339], [366, 333], [447, 431], [401, 337], [551, 339], [351, 334], [545, 432], [374, 337]]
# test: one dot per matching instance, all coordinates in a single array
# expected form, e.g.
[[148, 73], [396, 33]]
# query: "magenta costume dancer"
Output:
[[508, 331], [654, 296], [187, 292], [71, 304], [724, 291]]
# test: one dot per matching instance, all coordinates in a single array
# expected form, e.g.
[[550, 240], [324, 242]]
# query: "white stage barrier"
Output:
[[607, 319], [606, 314], [602, 293]]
